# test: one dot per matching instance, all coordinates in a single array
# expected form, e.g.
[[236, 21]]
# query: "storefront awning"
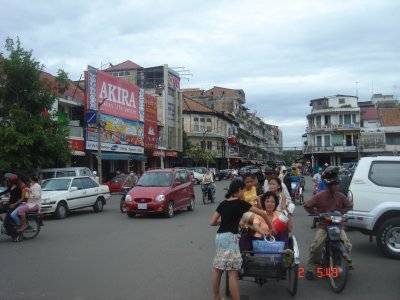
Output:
[[121, 156]]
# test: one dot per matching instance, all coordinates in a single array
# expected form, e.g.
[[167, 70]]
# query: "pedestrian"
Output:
[[228, 257], [95, 177]]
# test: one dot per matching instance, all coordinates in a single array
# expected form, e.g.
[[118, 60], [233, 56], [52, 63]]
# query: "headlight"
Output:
[[128, 198], [160, 198], [45, 200]]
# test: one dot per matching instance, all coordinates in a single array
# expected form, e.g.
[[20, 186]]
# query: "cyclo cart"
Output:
[[298, 188], [258, 265]]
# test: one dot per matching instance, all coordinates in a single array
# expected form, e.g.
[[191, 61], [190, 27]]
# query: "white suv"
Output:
[[60, 195], [375, 192]]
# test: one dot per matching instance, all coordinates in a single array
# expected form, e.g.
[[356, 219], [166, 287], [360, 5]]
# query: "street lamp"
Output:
[[99, 126]]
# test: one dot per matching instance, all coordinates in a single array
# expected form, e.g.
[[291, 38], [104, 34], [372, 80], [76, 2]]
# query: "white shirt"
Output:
[[284, 191], [35, 196], [317, 177]]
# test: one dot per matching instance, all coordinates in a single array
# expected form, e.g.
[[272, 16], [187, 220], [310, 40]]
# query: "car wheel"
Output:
[[192, 205], [98, 205], [170, 210], [131, 215], [388, 238], [61, 210]]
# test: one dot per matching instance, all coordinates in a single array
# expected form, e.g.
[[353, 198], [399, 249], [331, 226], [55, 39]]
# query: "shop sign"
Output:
[[78, 145]]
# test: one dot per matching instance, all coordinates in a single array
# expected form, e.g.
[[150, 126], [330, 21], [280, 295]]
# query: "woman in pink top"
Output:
[[33, 203]]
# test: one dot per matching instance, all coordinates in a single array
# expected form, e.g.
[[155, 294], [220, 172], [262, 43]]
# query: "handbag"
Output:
[[269, 246]]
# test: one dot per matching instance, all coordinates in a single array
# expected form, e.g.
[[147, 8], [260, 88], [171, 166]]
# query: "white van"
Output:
[[64, 172]]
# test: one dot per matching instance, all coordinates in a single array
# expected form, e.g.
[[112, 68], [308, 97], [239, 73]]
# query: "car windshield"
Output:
[[155, 179], [119, 178], [56, 184]]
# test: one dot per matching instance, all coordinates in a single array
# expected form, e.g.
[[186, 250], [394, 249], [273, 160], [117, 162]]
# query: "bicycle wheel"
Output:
[[292, 272], [339, 267], [205, 197]]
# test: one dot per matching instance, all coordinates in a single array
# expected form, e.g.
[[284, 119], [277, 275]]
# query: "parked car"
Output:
[[246, 169], [218, 174], [61, 195], [115, 185], [197, 174], [374, 190], [64, 172], [161, 191], [231, 172]]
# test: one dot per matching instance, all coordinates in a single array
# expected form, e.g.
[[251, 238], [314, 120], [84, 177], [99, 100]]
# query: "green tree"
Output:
[[186, 145], [30, 137], [200, 156]]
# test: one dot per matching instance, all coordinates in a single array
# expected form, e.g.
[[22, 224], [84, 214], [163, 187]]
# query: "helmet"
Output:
[[11, 178], [94, 173], [132, 174], [330, 176], [283, 168]]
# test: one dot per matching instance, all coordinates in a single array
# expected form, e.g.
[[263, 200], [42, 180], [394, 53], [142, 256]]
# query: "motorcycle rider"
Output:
[[209, 178], [328, 200], [132, 180], [15, 198]]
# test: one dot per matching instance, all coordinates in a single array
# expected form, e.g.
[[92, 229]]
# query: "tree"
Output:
[[30, 136], [200, 156], [186, 145]]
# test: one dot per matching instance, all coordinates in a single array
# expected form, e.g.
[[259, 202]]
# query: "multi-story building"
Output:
[[258, 141], [68, 108], [209, 130], [341, 129], [333, 130], [163, 83]]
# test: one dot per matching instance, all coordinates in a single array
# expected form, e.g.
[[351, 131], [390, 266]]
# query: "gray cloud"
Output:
[[282, 53]]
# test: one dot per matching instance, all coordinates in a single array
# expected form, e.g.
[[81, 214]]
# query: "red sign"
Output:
[[76, 145], [171, 154], [121, 98], [150, 122]]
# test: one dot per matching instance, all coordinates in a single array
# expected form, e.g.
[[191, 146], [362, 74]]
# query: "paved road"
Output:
[[109, 256]]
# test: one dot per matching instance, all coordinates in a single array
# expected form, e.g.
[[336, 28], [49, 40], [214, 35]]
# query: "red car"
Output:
[[161, 191], [115, 185]]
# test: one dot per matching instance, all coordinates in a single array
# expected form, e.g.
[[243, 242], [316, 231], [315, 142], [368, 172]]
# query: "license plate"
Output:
[[142, 206]]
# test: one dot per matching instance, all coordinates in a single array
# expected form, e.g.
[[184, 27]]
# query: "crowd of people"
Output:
[[252, 206]]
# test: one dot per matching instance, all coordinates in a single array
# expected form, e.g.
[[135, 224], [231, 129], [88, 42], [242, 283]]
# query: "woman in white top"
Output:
[[33, 203]]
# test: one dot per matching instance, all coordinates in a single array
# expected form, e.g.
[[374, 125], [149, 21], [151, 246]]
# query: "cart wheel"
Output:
[[227, 291], [293, 278], [301, 198]]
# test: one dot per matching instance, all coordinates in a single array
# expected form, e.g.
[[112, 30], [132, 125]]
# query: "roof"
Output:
[[221, 90], [190, 105], [390, 116], [369, 113], [74, 91], [124, 66]]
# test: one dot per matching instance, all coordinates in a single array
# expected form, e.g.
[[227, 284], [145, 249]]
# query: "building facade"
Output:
[[341, 129], [258, 142]]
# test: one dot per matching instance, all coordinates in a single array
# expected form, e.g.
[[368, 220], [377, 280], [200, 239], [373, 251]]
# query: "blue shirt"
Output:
[[321, 186]]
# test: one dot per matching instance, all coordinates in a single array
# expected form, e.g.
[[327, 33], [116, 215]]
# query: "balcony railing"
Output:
[[329, 149], [352, 126]]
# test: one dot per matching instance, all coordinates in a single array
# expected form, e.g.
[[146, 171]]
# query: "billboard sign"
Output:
[[117, 135], [150, 123], [121, 98]]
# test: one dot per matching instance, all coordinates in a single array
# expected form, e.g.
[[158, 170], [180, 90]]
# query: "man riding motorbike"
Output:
[[208, 178], [15, 193], [328, 200]]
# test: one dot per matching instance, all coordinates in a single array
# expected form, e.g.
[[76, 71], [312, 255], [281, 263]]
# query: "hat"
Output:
[[94, 173], [283, 168]]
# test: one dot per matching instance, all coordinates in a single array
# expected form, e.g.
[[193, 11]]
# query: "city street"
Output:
[[110, 256]]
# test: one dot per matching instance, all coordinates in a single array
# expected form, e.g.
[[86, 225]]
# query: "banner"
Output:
[[121, 98], [150, 123], [117, 134]]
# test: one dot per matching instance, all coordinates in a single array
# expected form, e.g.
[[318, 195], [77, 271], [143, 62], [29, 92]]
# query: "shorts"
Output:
[[228, 256]]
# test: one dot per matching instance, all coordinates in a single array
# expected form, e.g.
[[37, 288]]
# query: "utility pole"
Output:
[[99, 164]]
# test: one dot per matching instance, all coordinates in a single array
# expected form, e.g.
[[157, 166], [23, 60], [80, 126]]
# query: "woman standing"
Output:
[[275, 186], [228, 257]]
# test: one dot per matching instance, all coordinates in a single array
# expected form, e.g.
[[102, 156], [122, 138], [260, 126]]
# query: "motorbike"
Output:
[[33, 221], [208, 189], [334, 263], [125, 190]]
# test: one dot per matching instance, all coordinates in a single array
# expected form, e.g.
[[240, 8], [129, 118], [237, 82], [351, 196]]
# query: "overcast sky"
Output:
[[281, 53]]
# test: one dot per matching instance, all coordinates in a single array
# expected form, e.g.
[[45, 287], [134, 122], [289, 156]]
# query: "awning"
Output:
[[121, 156]]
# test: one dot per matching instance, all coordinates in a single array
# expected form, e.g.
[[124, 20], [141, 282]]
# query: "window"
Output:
[[385, 173], [209, 145], [65, 173], [393, 138], [87, 183], [202, 124], [202, 145], [340, 119], [318, 121], [349, 140], [342, 101], [347, 119], [84, 172], [209, 124], [196, 124], [327, 120], [77, 183], [353, 118], [319, 141], [327, 140], [184, 177]]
